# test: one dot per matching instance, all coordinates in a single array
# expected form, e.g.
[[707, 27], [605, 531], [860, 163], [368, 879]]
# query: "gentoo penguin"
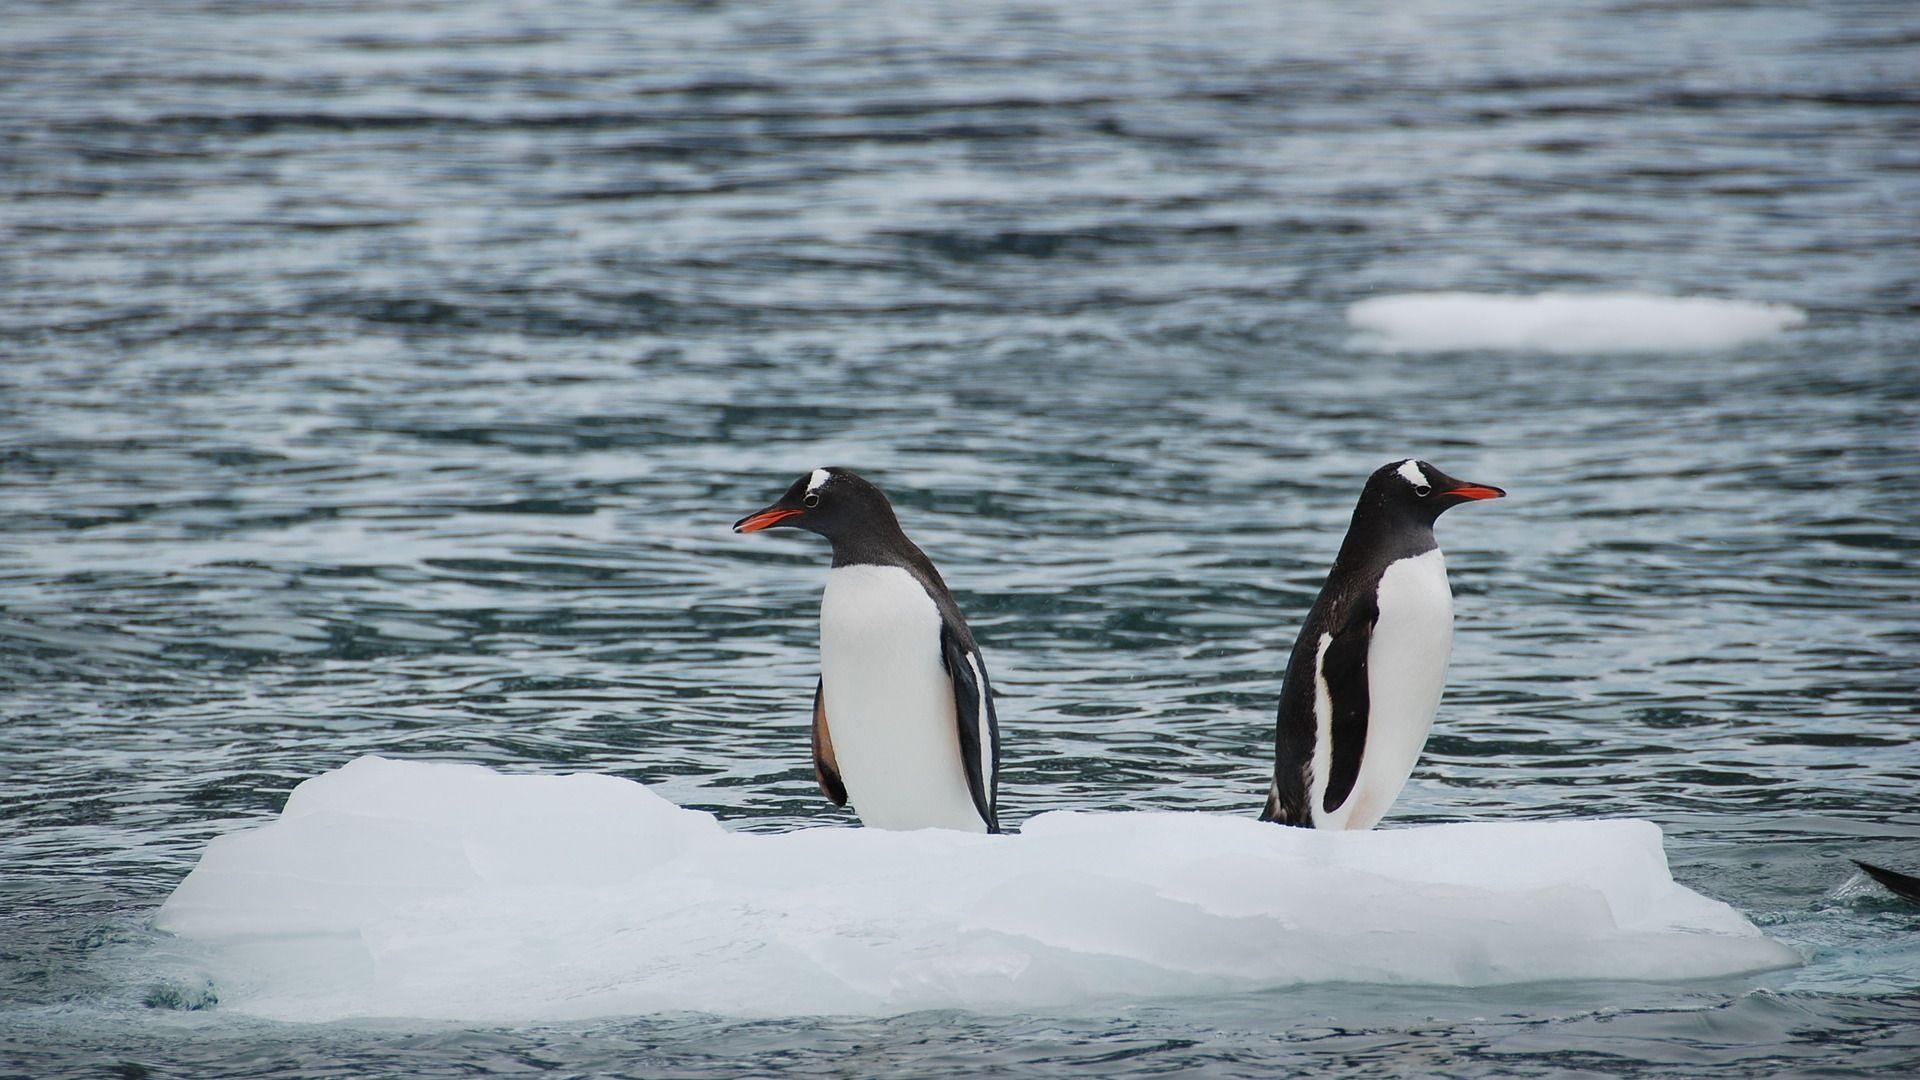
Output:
[[903, 721], [1905, 886], [1368, 667]]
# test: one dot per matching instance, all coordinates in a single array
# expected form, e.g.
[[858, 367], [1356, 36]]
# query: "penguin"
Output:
[[1904, 886], [1368, 667], [903, 718]]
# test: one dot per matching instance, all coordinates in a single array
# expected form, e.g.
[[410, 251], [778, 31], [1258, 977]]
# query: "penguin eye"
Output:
[[811, 500], [1422, 490]]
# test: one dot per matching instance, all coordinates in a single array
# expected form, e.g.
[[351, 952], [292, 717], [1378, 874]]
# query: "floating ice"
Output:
[[1564, 322], [407, 889]]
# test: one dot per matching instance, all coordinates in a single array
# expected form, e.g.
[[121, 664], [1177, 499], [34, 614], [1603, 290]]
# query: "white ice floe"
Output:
[[1564, 322], [407, 889]]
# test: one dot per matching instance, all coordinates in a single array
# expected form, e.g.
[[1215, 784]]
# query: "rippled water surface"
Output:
[[384, 378]]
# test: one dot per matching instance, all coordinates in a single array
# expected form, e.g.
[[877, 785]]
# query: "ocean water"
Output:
[[383, 378]]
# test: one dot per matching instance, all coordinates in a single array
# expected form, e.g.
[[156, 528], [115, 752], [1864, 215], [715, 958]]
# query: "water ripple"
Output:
[[385, 381]]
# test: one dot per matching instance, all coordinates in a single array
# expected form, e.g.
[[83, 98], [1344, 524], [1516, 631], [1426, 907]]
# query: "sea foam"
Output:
[[1564, 322], [409, 889]]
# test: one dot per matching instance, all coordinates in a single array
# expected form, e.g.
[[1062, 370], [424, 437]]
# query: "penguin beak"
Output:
[[1476, 491], [765, 519]]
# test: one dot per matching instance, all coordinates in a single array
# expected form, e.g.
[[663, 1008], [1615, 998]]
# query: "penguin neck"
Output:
[[881, 543], [1380, 535]]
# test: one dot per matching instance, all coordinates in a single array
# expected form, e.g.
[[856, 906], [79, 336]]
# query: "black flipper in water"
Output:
[[1904, 886]]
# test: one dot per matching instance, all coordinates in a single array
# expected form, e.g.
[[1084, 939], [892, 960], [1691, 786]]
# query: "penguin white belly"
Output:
[[1406, 673], [889, 702]]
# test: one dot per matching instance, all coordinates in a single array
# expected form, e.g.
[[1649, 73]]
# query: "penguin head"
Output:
[[1418, 490], [832, 502]]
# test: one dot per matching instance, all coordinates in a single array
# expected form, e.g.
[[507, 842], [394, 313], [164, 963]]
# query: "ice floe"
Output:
[[1564, 322], [394, 888]]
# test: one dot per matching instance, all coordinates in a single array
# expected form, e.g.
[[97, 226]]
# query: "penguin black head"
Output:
[[1414, 489], [833, 502]]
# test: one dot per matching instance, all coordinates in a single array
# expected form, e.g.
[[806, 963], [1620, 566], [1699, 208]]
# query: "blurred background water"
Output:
[[383, 377]]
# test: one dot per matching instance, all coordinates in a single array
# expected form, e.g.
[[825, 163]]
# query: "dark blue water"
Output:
[[383, 378]]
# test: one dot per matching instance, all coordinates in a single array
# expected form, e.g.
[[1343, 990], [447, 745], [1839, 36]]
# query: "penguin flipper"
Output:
[[979, 726], [1295, 730], [826, 771], [1343, 667]]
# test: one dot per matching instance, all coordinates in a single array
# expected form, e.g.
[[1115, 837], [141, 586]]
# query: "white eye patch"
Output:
[[1410, 472], [820, 476]]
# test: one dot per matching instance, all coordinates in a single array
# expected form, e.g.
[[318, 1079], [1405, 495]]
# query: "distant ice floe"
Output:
[[407, 889], [1564, 322]]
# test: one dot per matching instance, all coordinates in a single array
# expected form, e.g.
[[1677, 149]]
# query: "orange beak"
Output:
[[1477, 491], [765, 519]]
